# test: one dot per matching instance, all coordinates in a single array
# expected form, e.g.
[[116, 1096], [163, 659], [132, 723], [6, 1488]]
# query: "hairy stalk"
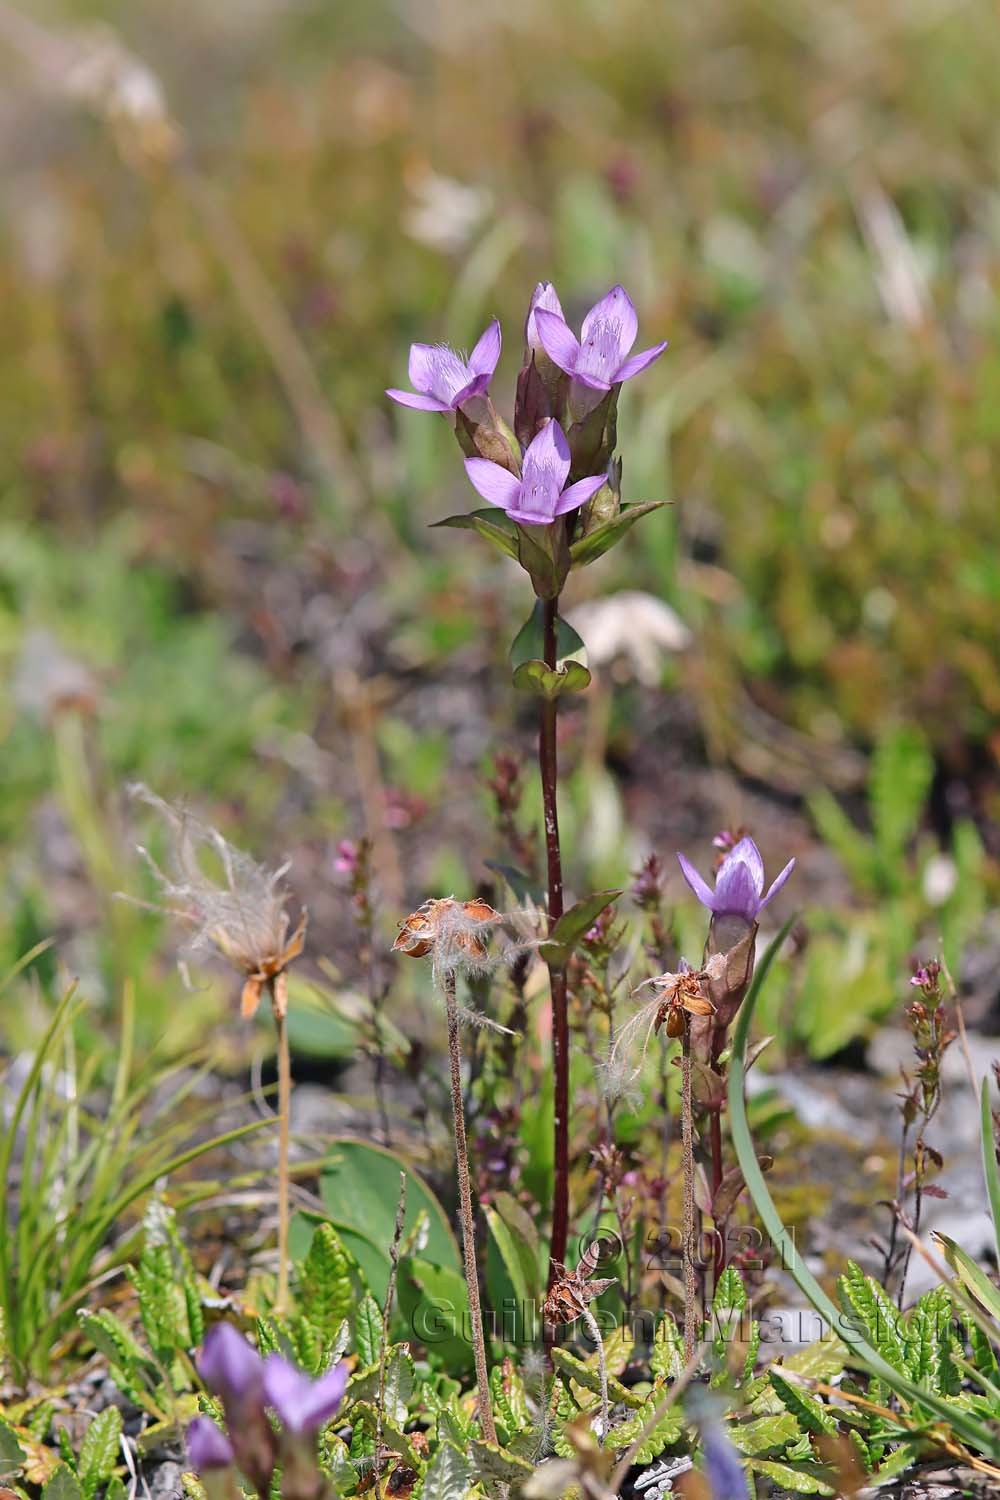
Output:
[[691, 1297], [390, 1293], [284, 1112], [465, 1214], [549, 769], [602, 1366]]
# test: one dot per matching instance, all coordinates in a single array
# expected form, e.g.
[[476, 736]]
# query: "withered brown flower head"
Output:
[[572, 1292], [679, 994], [244, 916], [455, 933]]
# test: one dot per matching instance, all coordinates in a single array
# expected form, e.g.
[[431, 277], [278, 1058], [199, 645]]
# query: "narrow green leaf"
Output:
[[11, 1452], [487, 523], [965, 1424], [588, 549], [63, 1485], [969, 1274], [368, 1330], [448, 1475], [811, 1413], [990, 1171], [573, 923], [326, 1293], [99, 1449]]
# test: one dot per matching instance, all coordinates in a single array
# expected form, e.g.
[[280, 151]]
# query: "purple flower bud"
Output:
[[538, 497], [545, 297], [346, 861], [442, 380], [600, 358], [208, 1446], [230, 1366], [303, 1405], [739, 883]]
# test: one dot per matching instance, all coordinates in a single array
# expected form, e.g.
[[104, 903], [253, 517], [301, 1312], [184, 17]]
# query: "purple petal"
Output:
[[639, 362], [594, 382], [617, 311], [743, 853], [301, 1404], [724, 1470], [704, 893], [435, 370], [419, 403], [208, 1447], [778, 882], [476, 386], [486, 355], [530, 518], [736, 894], [547, 458], [228, 1365], [578, 494], [545, 297], [325, 1396], [495, 484], [559, 343]]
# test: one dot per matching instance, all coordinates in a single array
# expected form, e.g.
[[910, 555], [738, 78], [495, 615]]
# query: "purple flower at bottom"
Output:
[[538, 497], [739, 883], [442, 380], [230, 1366], [208, 1446], [723, 1465], [303, 1405], [600, 357]]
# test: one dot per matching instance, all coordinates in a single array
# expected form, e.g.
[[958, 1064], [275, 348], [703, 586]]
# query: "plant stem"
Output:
[[691, 1297], [549, 768], [284, 1112], [602, 1366], [465, 1214], [390, 1292]]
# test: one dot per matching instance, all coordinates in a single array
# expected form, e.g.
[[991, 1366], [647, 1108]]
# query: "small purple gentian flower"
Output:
[[208, 1447], [303, 1405], [538, 497], [442, 380], [739, 883], [600, 358], [230, 1366]]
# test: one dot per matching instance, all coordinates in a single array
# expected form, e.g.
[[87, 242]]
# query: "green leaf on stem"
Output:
[[491, 524], [527, 658], [589, 548], [573, 924]]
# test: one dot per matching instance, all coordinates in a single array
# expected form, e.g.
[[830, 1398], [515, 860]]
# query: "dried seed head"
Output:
[[456, 933], [572, 1292], [244, 917]]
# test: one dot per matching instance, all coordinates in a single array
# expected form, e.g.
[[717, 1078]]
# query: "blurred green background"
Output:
[[224, 223]]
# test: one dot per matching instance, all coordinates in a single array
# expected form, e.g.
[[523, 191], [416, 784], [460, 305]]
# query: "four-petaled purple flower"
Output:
[[303, 1405], [230, 1366], [739, 883], [538, 497], [208, 1446], [600, 358], [442, 380]]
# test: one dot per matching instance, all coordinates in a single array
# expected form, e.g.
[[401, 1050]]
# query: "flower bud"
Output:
[[606, 504], [483, 434], [592, 434]]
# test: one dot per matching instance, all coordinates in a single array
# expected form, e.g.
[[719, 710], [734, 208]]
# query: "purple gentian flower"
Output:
[[303, 1405], [600, 358], [739, 883], [208, 1447], [538, 497], [230, 1366], [545, 297], [443, 380]]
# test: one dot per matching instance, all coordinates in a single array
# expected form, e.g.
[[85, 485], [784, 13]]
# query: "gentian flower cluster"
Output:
[[554, 475], [250, 1387]]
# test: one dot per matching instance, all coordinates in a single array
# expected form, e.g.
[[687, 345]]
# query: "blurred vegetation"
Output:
[[207, 501]]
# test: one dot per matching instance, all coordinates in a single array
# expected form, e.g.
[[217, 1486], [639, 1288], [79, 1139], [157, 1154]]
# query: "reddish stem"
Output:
[[549, 769]]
